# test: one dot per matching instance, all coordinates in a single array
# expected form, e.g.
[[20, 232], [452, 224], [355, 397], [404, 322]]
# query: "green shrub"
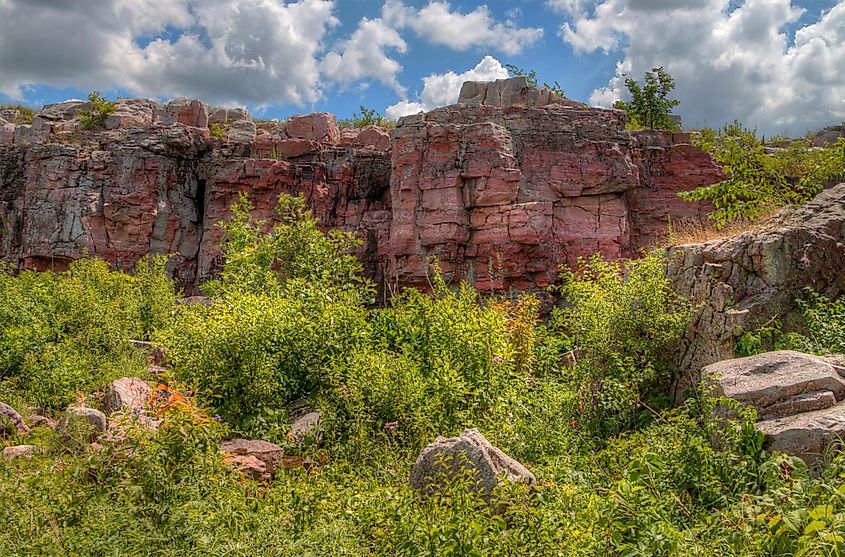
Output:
[[66, 332], [650, 107], [367, 117], [825, 320], [95, 117], [435, 364], [624, 318], [759, 181], [216, 131], [261, 258], [249, 355]]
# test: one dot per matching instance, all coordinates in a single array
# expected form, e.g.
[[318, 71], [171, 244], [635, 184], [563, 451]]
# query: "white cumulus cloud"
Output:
[[729, 59], [443, 89], [256, 51], [439, 24], [364, 56]]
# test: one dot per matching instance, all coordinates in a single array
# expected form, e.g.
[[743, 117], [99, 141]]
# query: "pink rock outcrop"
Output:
[[502, 187], [504, 196]]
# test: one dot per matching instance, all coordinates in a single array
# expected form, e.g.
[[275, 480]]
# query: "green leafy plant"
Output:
[[66, 332], [650, 107], [260, 257], [759, 180], [623, 317], [100, 109], [366, 117], [216, 131]]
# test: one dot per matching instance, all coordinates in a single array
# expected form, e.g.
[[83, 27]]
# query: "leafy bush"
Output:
[[95, 117], [261, 258], [66, 332], [650, 107], [367, 117], [758, 179], [249, 355], [435, 364], [216, 131], [623, 317], [825, 323]]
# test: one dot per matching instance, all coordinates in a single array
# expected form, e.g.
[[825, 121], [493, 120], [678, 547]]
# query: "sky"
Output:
[[776, 65]]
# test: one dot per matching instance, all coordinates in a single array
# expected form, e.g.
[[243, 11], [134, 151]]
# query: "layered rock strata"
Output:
[[502, 187], [799, 398]]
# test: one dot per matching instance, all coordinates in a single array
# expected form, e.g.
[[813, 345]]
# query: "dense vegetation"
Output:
[[577, 398], [762, 178]]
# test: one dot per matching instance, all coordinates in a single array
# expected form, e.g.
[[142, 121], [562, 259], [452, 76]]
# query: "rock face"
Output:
[[504, 196], [502, 187], [800, 399], [469, 456], [741, 283]]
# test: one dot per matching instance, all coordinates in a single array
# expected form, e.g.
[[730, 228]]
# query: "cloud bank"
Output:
[[729, 60]]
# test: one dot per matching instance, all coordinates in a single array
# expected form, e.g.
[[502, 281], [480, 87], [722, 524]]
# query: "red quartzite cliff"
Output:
[[502, 187]]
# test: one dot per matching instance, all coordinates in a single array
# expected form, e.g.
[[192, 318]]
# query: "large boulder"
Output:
[[10, 414], [744, 282], [468, 455], [319, 126], [505, 93], [229, 116], [799, 398], [188, 112], [242, 131]]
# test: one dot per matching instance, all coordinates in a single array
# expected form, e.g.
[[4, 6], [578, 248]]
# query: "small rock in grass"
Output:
[[268, 453], [82, 414], [20, 451], [127, 393], [12, 415]]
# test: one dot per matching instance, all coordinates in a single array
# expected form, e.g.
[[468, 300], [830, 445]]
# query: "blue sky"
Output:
[[774, 64]]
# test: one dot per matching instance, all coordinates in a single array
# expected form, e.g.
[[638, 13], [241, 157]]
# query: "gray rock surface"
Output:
[[798, 397], [127, 393], [242, 131], [505, 93], [470, 454], [742, 283], [780, 383]]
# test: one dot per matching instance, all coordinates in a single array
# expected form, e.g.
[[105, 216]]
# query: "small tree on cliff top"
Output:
[[649, 107]]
